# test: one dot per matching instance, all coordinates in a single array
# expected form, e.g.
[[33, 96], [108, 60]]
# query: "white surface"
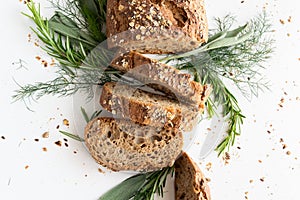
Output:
[[60, 174]]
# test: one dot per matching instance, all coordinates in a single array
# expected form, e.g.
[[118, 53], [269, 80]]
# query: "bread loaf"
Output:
[[190, 183], [162, 77], [156, 26], [148, 108], [120, 144]]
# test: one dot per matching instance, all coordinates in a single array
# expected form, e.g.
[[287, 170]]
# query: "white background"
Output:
[[59, 173]]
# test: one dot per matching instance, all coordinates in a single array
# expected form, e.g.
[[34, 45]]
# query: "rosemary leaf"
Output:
[[85, 115], [70, 135]]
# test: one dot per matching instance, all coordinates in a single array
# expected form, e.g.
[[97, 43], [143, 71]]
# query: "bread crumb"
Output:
[[288, 34], [44, 149], [262, 179], [66, 122], [281, 21], [26, 167], [101, 171], [58, 143], [251, 181], [2, 137], [208, 166], [288, 153], [259, 161], [45, 135], [289, 19]]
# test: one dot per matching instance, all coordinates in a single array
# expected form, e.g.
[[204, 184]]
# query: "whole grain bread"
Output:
[[156, 26], [162, 77], [120, 144], [190, 183], [148, 108]]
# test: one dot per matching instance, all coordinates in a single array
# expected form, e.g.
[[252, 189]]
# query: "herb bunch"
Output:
[[70, 37]]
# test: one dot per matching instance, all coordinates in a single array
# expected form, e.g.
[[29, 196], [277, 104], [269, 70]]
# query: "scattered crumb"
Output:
[[288, 153], [259, 161], [75, 152], [57, 127], [262, 179], [281, 102], [284, 146], [26, 167], [66, 122], [85, 175], [38, 58], [65, 139], [268, 131], [58, 143], [208, 166], [288, 34], [242, 1], [36, 140], [101, 171], [246, 195], [44, 149], [281, 140], [226, 158], [238, 147], [209, 129], [281, 21], [45, 135], [2, 137], [251, 181], [66, 144], [289, 19], [45, 63]]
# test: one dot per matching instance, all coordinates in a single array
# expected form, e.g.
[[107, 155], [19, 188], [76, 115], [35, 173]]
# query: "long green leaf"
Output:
[[70, 135], [126, 189]]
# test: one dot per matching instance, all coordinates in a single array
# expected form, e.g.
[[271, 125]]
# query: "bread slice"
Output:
[[156, 26], [190, 183], [161, 77], [148, 108], [120, 144]]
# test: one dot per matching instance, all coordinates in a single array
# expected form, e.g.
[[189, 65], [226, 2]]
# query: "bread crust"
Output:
[[150, 109], [162, 77], [120, 144], [170, 26], [190, 183]]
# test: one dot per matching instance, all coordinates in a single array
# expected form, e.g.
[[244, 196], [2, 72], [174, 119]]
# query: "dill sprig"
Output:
[[239, 63], [142, 186], [89, 15]]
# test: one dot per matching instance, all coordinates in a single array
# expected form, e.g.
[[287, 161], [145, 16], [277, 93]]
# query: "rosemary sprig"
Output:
[[55, 45], [72, 136], [140, 187]]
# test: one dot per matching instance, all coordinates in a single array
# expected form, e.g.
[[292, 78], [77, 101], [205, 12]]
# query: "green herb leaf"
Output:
[[85, 115], [94, 15], [125, 190], [73, 136]]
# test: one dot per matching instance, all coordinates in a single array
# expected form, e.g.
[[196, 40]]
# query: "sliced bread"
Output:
[[190, 183], [156, 26], [120, 144], [162, 77], [148, 108]]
